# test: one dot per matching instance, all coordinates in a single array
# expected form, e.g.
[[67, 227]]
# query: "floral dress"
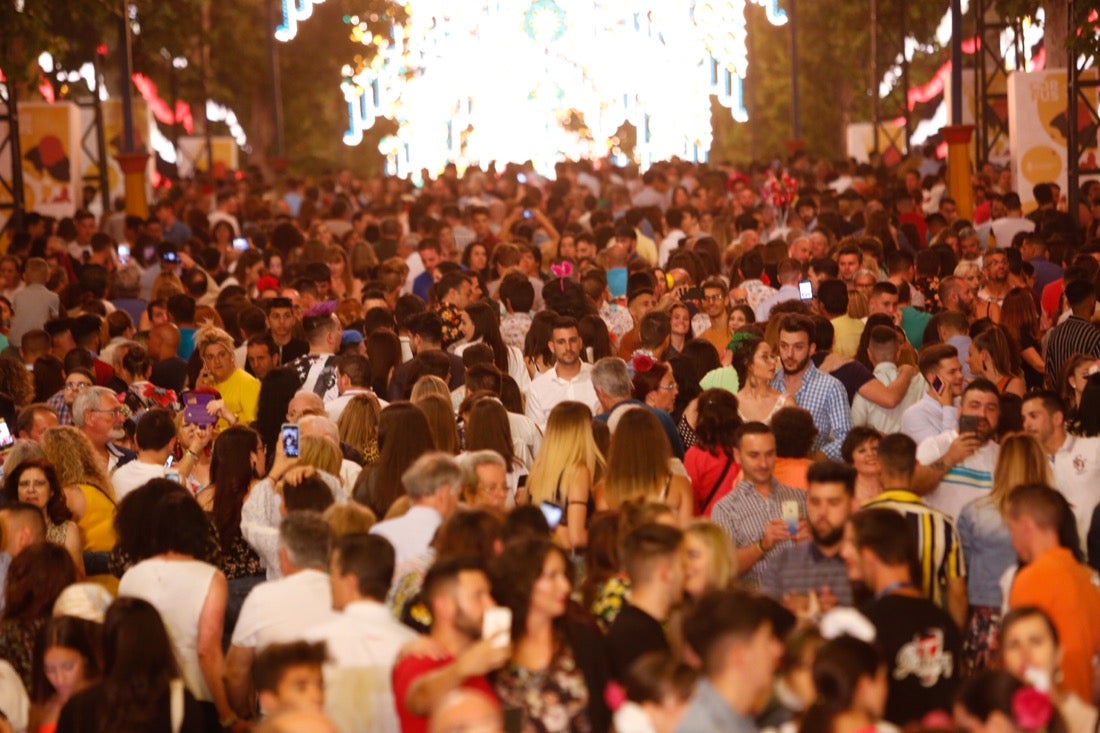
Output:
[[553, 700], [611, 596], [17, 639], [142, 396]]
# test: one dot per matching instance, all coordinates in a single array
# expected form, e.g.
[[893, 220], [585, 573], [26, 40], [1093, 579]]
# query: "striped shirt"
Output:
[[939, 549], [744, 512], [966, 481], [1075, 335]]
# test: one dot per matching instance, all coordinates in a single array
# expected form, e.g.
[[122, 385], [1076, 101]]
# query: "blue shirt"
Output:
[[987, 546], [745, 512], [708, 712], [824, 397]]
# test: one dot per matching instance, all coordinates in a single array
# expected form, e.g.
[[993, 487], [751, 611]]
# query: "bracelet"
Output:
[[229, 721], [193, 454], [760, 544]]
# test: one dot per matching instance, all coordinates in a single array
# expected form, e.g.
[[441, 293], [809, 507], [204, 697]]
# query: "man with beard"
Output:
[[957, 296], [816, 567], [815, 391], [960, 462], [938, 545], [456, 590], [96, 411], [996, 278], [570, 379]]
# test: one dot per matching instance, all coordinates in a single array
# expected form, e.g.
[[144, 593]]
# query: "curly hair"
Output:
[[210, 335], [73, 457], [16, 382], [647, 380], [718, 421], [56, 509]]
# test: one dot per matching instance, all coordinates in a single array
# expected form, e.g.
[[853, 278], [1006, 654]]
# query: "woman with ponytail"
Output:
[[850, 680]]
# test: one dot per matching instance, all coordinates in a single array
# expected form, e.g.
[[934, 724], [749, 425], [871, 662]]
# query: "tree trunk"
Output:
[[261, 130]]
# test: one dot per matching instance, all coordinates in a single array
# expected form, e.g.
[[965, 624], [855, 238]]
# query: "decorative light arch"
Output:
[[543, 80]]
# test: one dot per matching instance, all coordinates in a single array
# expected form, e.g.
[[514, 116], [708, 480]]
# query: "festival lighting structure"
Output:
[[543, 80]]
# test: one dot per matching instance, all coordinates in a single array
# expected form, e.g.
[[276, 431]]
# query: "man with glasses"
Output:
[[76, 381], [716, 307], [98, 414]]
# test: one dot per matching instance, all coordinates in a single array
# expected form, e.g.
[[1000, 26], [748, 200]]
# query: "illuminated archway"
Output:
[[513, 80]]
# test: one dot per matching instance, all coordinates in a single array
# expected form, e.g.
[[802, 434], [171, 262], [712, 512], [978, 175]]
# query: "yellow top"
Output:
[[846, 333], [241, 393], [97, 529]]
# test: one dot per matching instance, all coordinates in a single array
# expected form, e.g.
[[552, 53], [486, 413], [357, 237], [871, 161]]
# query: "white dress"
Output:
[[177, 589]]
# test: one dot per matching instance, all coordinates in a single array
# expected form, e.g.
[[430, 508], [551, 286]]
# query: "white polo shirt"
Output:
[[284, 610], [969, 480], [548, 389], [1076, 469]]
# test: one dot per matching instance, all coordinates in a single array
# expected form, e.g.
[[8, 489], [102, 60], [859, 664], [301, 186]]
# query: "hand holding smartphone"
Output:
[[496, 626], [290, 438], [791, 515]]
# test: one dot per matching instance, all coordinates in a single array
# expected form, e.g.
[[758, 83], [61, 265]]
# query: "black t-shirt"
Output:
[[632, 634], [171, 373], [923, 652]]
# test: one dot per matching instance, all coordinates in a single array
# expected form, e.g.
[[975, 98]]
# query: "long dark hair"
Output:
[[56, 509], [487, 328], [66, 632], [139, 664], [276, 392], [487, 429], [403, 436], [384, 348], [36, 577], [993, 691], [231, 474], [515, 573], [838, 667]]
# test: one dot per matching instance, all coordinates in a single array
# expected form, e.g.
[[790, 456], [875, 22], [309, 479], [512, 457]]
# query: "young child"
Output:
[[288, 677], [34, 304]]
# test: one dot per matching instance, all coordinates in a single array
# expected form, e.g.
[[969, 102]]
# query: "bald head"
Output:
[[164, 341], [465, 710], [304, 403]]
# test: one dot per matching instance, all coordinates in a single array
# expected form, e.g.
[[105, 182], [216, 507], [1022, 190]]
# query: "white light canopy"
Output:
[[544, 80]]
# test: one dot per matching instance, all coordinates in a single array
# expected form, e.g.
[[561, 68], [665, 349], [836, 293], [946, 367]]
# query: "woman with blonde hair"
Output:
[[565, 469], [429, 384], [710, 562], [639, 467], [321, 453], [986, 543], [239, 390], [441, 420], [88, 494], [358, 425]]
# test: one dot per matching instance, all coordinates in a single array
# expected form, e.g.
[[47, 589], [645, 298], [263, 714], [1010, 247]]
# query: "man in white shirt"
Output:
[[935, 412], [570, 379], [958, 464], [284, 609], [433, 484], [352, 378], [1075, 460], [156, 440], [363, 640], [883, 351], [317, 369], [1003, 230]]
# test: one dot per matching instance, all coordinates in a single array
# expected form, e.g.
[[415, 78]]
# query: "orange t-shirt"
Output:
[[1062, 587]]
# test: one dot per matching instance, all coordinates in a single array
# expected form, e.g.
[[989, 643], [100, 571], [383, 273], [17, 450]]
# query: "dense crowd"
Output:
[[704, 448]]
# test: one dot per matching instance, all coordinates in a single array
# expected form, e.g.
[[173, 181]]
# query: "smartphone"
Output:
[[171, 258], [6, 438], [123, 254], [553, 514], [240, 244], [693, 294], [289, 436], [968, 424], [496, 624], [528, 214], [791, 515], [805, 290], [168, 463], [937, 385], [521, 178]]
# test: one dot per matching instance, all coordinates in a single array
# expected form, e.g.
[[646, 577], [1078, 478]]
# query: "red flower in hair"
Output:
[[1032, 709], [643, 363]]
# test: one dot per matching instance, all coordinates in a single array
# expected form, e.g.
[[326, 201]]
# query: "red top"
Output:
[[407, 671]]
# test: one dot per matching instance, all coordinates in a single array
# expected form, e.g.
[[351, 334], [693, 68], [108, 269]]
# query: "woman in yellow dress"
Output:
[[89, 494]]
